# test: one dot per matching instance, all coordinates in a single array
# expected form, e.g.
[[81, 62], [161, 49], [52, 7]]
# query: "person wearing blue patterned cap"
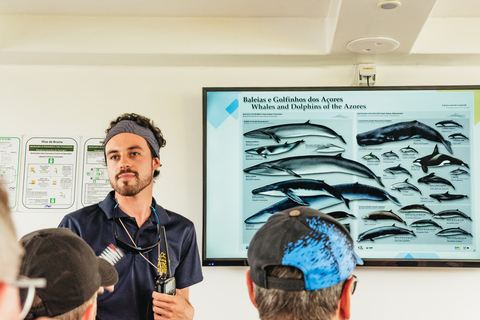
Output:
[[301, 263]]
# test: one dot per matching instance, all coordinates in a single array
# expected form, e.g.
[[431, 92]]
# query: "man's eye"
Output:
[[113, 157], [135, 154]]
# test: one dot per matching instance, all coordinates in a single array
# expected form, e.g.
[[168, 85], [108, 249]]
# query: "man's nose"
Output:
[[124, 163]]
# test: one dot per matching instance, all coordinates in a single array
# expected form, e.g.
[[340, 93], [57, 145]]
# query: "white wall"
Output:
[[81, 100]]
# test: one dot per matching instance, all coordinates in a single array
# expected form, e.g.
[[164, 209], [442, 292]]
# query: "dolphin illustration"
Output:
[[405, 185], [383, 232], [458, 172], [286, 131], [447, 196], [437, 159], [312, 164], [402, 131], [390, 154], [408, 149], [274, 149], [370, 157], [398, 169], [294, 189], [432, 178], [350, 191]]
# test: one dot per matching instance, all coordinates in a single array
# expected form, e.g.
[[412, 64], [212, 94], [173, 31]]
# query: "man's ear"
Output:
[[156, 163], [251, 292], [344, 303], [90, 312]]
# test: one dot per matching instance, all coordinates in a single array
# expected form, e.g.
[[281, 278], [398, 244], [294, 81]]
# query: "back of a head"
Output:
[[299, 261], [11, 249], [275, 304], [70, 266]]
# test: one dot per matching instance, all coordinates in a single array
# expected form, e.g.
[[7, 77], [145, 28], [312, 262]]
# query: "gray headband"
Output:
[[131, 126]]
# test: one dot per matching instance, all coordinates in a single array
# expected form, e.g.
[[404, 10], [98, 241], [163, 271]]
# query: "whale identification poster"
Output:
[[395, 165]]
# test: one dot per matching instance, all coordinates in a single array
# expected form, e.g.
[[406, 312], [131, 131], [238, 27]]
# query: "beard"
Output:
[[130, 188]]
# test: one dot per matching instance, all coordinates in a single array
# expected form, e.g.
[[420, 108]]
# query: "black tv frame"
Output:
[[450, 263]]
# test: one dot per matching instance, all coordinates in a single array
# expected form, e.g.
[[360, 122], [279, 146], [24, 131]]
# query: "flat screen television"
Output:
[[396, 165]]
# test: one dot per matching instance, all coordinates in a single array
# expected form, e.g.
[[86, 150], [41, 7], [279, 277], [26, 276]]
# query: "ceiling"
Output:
[[265, 28], [215, 8]]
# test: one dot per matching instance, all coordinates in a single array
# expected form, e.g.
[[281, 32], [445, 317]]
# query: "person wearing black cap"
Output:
[[73, 274], [130, 218], [301, 264]]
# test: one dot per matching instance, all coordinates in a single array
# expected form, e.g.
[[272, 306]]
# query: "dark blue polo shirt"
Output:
[[132, 296]]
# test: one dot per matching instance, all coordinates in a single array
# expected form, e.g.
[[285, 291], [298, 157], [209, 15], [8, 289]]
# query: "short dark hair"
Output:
[[144, 122]]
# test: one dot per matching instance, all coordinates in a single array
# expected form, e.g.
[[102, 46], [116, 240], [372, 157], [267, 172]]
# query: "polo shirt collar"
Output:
[[109, 203]]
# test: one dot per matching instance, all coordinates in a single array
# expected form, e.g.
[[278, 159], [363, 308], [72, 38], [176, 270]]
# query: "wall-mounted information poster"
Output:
[[396, 165], [9, 167], [49, 177], [95, 183]]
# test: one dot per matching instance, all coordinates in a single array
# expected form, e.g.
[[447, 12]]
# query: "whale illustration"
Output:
[[274, 149], [402, 131], [329, 148], [383, 215], [425, 223], [437, 159], [350, 191], [416, 208], [458, 136], [452, 232], [383, 232], [312, 164], [286, 131], [449, 124], [447, 214], [296, 188], [340, 215]]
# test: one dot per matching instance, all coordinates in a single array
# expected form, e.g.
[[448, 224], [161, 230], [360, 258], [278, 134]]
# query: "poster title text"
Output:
[[300, 103]]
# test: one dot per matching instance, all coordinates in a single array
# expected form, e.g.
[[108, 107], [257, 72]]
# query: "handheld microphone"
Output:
[[165, 283]]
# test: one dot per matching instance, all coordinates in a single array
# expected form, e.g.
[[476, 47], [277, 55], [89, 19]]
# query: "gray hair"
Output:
[[296, 305]]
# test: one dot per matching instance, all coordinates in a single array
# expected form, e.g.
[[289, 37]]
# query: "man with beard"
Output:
[[130, 218]]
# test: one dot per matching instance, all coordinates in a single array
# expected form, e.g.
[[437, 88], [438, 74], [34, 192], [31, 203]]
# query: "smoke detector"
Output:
[[389, 5], [373, 45]]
